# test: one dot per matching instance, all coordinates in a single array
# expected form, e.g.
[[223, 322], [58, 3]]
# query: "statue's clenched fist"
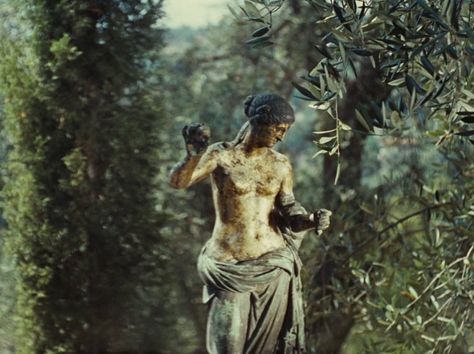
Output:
[[321, 219], [196, 136]]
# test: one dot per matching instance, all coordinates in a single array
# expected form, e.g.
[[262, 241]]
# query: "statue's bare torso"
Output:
[[244, 188], [249, 179]]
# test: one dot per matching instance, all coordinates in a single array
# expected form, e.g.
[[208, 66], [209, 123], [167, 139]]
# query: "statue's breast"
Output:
[[247, 179], [240, 175], [230, 180], [268, 183]]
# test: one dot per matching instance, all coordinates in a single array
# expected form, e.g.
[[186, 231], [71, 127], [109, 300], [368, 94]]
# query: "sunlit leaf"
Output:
[[338, 173], [341, 35], [251, 9], [397, 82], [320, 152], [326, 139], [344, 126], [324, 131]]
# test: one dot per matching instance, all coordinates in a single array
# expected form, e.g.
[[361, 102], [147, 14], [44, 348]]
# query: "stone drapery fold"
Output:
[[275, 323]]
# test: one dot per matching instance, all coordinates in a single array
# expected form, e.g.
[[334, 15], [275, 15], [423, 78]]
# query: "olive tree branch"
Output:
[[391, 226], [436, 278]]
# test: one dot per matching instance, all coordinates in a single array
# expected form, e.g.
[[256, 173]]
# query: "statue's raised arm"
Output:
[[200, 159]]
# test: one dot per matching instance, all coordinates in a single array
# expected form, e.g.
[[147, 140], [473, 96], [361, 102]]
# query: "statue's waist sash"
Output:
[[247, 275]]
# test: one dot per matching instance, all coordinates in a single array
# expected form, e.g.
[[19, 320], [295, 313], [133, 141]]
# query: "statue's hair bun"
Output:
[[247, 103], [268, 108]]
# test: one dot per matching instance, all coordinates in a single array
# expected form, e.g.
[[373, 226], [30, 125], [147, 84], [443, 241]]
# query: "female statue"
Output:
[[250, 265]]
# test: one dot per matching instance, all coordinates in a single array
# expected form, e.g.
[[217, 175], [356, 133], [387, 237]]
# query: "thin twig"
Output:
[[432, 318], [391, 226], [435, 279]]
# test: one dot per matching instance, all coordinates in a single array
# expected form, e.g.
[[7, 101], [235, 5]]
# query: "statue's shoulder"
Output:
[[281, 163], [218, 148], [280, 158]]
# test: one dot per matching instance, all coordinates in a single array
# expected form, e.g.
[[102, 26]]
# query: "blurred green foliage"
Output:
[[79, 200]]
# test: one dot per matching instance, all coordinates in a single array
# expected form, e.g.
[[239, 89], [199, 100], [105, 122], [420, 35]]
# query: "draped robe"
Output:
[[255, 306]]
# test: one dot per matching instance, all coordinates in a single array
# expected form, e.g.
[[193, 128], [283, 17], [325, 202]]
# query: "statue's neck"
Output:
[[251, 147]]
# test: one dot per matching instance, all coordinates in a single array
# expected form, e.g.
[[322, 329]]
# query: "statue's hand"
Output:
[[196, 136], [321, 219]]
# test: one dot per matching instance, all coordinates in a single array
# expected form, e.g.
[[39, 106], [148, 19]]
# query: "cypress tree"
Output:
[[79, 198]]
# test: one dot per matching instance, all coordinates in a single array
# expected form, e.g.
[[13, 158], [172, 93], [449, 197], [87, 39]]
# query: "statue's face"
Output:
[[268, 135]]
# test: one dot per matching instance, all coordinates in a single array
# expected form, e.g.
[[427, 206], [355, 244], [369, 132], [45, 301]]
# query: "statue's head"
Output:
[[269, 116], [267, 109]]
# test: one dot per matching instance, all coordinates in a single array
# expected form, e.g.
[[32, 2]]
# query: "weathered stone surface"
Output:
[[250, 265]]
